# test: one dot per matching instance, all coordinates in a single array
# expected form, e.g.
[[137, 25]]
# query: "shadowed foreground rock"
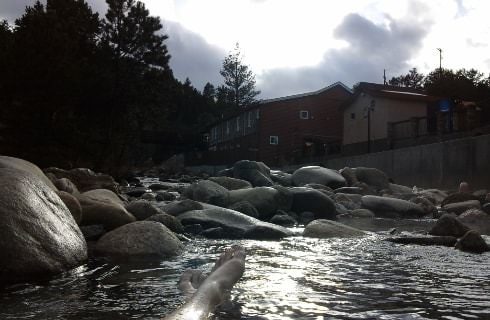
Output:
[[38, 235], [323, 228], [141, 238]]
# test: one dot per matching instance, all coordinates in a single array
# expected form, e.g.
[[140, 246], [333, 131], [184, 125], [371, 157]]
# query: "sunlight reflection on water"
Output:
[[296, 278]]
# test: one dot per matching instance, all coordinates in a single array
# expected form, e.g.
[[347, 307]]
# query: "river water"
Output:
[[296, 278]]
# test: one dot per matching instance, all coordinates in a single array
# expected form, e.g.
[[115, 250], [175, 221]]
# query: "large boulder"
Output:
[[349, 201], [20, 164], [449, 225], [372, 177], [320, 175], [85, 179], [38, 235], [460, 207], [472, 241], [436, 196], [477, 220], [391, 207], [141, 238], [322, 228], [231, 183], [102, 206], [209, 192], [311, 200], [257, 173], [399, 189], [266, 200], [142, 209], [235, 225]]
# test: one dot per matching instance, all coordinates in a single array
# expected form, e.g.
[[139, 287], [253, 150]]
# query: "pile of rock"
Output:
[[50, 216]]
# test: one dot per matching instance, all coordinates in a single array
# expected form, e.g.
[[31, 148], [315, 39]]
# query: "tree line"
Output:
[[462, 84], [77, 89]]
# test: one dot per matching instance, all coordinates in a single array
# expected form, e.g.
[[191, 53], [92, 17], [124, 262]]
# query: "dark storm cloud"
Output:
[[192, 56], [371, 48], [13, 9]]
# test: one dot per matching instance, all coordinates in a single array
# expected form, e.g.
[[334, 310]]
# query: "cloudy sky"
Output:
[[296, 46]]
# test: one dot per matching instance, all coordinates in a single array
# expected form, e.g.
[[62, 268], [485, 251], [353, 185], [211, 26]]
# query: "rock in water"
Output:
[[391, 207], [472, 242], [209, 192], [235, 225], [322, 228], [101, 206], [449, 225], [320, 175], [257, 173], [38, 235], [141, 238], [311, 200]]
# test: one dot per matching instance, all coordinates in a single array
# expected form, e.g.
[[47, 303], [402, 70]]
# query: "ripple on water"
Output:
[[296, 278]]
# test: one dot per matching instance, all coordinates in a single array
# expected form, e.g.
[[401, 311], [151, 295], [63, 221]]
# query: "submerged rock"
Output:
[[38, 235], [322, 228], [141, 238]]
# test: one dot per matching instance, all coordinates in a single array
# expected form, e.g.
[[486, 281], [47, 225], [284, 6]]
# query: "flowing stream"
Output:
[[296, 278]]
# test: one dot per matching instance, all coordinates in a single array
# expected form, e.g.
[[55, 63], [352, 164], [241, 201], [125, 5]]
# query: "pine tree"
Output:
[[239, 81]]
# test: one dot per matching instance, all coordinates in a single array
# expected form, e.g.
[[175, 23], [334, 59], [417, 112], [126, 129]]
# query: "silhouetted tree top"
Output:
[[239, 81]]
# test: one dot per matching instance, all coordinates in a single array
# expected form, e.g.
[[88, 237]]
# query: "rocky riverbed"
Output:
[[331, 229]]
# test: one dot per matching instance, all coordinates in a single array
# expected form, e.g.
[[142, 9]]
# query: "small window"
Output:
[[227, 127], [303, 114], [238, 124], [274, 140], [249, 119], [257, 114], [353, 116]]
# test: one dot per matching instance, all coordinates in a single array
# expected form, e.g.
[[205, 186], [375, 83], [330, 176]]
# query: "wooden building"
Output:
[[283, 130]]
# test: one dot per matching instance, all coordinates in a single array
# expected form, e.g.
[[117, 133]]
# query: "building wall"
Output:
[[438, 165], [385, 110], [282, 119]]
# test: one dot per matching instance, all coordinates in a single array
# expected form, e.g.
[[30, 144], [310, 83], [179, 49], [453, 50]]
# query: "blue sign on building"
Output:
[[445, 105]]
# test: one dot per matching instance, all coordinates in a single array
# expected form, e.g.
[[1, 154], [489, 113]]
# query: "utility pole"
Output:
[[384, 77], [440, 63]]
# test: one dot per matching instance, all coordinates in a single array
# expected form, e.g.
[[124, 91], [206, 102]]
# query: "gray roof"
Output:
[[301, 95]]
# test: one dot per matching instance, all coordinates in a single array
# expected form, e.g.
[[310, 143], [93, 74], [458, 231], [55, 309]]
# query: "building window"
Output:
[[353, 115], [274, 140], [227, 127], [238, 124], [257, 114], [303, 114], [249, 123]]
